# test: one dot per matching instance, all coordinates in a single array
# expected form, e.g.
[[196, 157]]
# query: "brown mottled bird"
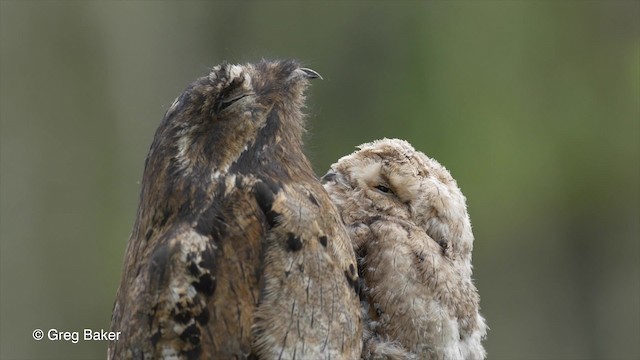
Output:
[[237, 251], [409, 225]]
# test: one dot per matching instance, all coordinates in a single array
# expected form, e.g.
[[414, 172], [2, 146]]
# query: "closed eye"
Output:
[[225, 103], [229, 95], [222, 104]]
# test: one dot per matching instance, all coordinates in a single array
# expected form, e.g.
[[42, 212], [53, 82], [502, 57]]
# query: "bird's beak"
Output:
[[310, 74]]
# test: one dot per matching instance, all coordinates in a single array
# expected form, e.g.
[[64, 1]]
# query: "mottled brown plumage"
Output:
[[237, 251], [409, 225]]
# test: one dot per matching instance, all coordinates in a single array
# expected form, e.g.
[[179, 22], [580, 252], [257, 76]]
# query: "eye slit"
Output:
[[225, 103], [225, 98], [383, 188]]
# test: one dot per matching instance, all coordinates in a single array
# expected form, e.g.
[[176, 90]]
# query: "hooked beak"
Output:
[[310, 74]]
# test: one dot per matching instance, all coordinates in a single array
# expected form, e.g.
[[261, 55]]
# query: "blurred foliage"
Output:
[[533, 105]]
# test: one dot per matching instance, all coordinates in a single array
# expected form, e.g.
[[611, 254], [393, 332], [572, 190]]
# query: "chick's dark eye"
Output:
[[383, 188]]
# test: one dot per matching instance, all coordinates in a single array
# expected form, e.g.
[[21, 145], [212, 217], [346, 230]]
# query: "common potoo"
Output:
[[409, 226], [237, 251]]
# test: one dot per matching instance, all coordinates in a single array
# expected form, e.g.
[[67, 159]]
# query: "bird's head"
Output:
[[389, 177], [233, 108], [235, 120]]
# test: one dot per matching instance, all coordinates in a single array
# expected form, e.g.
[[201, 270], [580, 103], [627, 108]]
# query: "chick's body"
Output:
[[410, 229]]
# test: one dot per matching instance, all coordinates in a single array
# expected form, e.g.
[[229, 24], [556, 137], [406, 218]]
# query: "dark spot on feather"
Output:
[[208, 260], [182, 317], [206, 284], [191, 334], [443, 244], [293, 242], [193, 354], [354, 283], [193, 269], [203, 317], [352, 269], [264, 193], [323, 240], [313, 200], [154, 338], [272, 218]]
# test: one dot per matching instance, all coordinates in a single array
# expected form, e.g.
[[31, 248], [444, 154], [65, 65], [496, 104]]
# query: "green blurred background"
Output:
[[534, 106]]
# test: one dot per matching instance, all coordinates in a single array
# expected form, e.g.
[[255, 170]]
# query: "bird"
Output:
[[237, 252], [410, 229]]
